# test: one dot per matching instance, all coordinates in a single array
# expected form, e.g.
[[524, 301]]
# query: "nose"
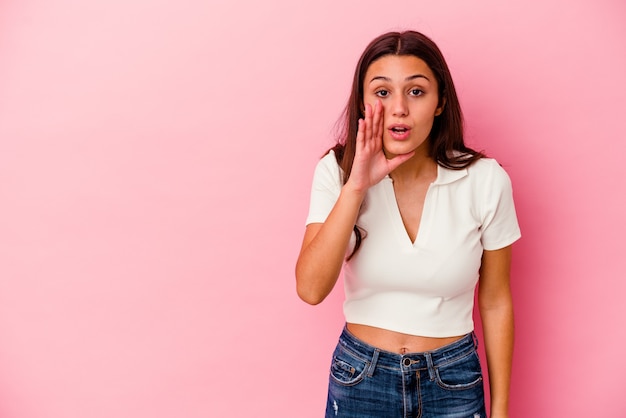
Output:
[[399, 106]]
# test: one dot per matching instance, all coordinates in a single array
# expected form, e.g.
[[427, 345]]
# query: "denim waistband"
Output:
[[427, 360]]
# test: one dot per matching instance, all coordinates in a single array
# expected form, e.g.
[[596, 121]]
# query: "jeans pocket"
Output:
[[347, 369], [462, 373]]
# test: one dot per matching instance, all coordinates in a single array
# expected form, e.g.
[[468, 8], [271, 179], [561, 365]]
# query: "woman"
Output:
[[417, 220]]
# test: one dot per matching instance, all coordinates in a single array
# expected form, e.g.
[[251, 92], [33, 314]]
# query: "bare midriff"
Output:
[[397, 342]]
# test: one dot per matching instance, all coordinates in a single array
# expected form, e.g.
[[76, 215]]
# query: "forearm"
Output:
[[322, 255], [324, 245], [498, 330]]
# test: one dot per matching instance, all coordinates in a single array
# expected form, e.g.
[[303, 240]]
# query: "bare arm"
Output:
[[496, 310], [324, 245]]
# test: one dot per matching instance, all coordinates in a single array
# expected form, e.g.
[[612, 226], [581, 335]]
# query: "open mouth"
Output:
[[399, 127], [399, 132]]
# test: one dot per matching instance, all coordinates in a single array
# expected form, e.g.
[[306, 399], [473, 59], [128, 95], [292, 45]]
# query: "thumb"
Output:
[[396, 161]]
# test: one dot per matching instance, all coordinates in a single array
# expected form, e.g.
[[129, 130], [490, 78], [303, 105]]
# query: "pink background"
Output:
[[155, 163]]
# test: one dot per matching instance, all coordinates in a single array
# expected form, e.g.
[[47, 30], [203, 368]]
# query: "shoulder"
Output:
[[490, 184], [479, 175], [329, 161], [328, 172], [492, 187], [484, 165], [488, 170], [485, 179]]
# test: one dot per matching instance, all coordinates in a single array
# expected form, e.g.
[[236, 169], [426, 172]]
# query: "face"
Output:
[[408, 91]]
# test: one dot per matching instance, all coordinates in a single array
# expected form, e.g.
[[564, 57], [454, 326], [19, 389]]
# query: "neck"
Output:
[[419, 167]]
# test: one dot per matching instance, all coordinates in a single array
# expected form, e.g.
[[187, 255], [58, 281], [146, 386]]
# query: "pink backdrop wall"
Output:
[[155, 162]]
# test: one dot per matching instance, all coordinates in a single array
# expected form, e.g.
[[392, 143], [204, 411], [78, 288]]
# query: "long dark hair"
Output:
[[447, 146]]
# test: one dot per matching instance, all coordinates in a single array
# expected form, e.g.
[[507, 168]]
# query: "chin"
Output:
[[398, 149]]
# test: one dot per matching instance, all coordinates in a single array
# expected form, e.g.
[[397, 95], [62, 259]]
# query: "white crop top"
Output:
[[424, 287]]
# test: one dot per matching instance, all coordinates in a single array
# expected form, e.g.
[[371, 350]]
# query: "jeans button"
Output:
[[406, 362]]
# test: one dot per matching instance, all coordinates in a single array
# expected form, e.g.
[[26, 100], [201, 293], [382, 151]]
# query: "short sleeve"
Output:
[[327, 181], [499, 219]]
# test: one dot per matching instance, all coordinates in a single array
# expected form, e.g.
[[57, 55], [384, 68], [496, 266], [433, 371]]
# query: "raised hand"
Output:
[[370, 164]]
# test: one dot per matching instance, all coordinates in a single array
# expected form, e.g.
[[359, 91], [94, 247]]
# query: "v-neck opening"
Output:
[[397, 219]]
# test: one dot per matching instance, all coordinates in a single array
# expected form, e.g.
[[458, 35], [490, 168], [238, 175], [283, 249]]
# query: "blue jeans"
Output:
[[366, 382]]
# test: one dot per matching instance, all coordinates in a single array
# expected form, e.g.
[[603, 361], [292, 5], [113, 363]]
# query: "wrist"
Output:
[[499, 410], [353, 190]]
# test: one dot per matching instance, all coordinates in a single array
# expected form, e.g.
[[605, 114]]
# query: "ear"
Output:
[[442, 105]]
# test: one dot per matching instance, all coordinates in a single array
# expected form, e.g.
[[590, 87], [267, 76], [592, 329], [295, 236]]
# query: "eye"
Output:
[[382, 93], [416, 92]]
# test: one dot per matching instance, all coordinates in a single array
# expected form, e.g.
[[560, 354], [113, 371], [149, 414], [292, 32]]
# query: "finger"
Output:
[[381, 122], [368, 123], [375, 119], [378, 123], [360, 134]]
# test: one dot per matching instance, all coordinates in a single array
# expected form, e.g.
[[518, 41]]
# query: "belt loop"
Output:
[[475, 339], [431, 366], [370, 370]]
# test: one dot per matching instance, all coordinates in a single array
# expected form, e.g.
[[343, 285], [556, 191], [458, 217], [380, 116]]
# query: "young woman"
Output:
[[417, 220]]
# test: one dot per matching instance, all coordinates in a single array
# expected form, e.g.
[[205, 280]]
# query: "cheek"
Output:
[[370, 100]]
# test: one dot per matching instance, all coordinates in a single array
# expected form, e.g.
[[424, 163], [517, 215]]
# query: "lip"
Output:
[[399, 136]]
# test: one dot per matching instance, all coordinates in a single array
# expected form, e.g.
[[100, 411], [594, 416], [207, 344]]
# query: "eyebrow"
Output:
[[409, 78]]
